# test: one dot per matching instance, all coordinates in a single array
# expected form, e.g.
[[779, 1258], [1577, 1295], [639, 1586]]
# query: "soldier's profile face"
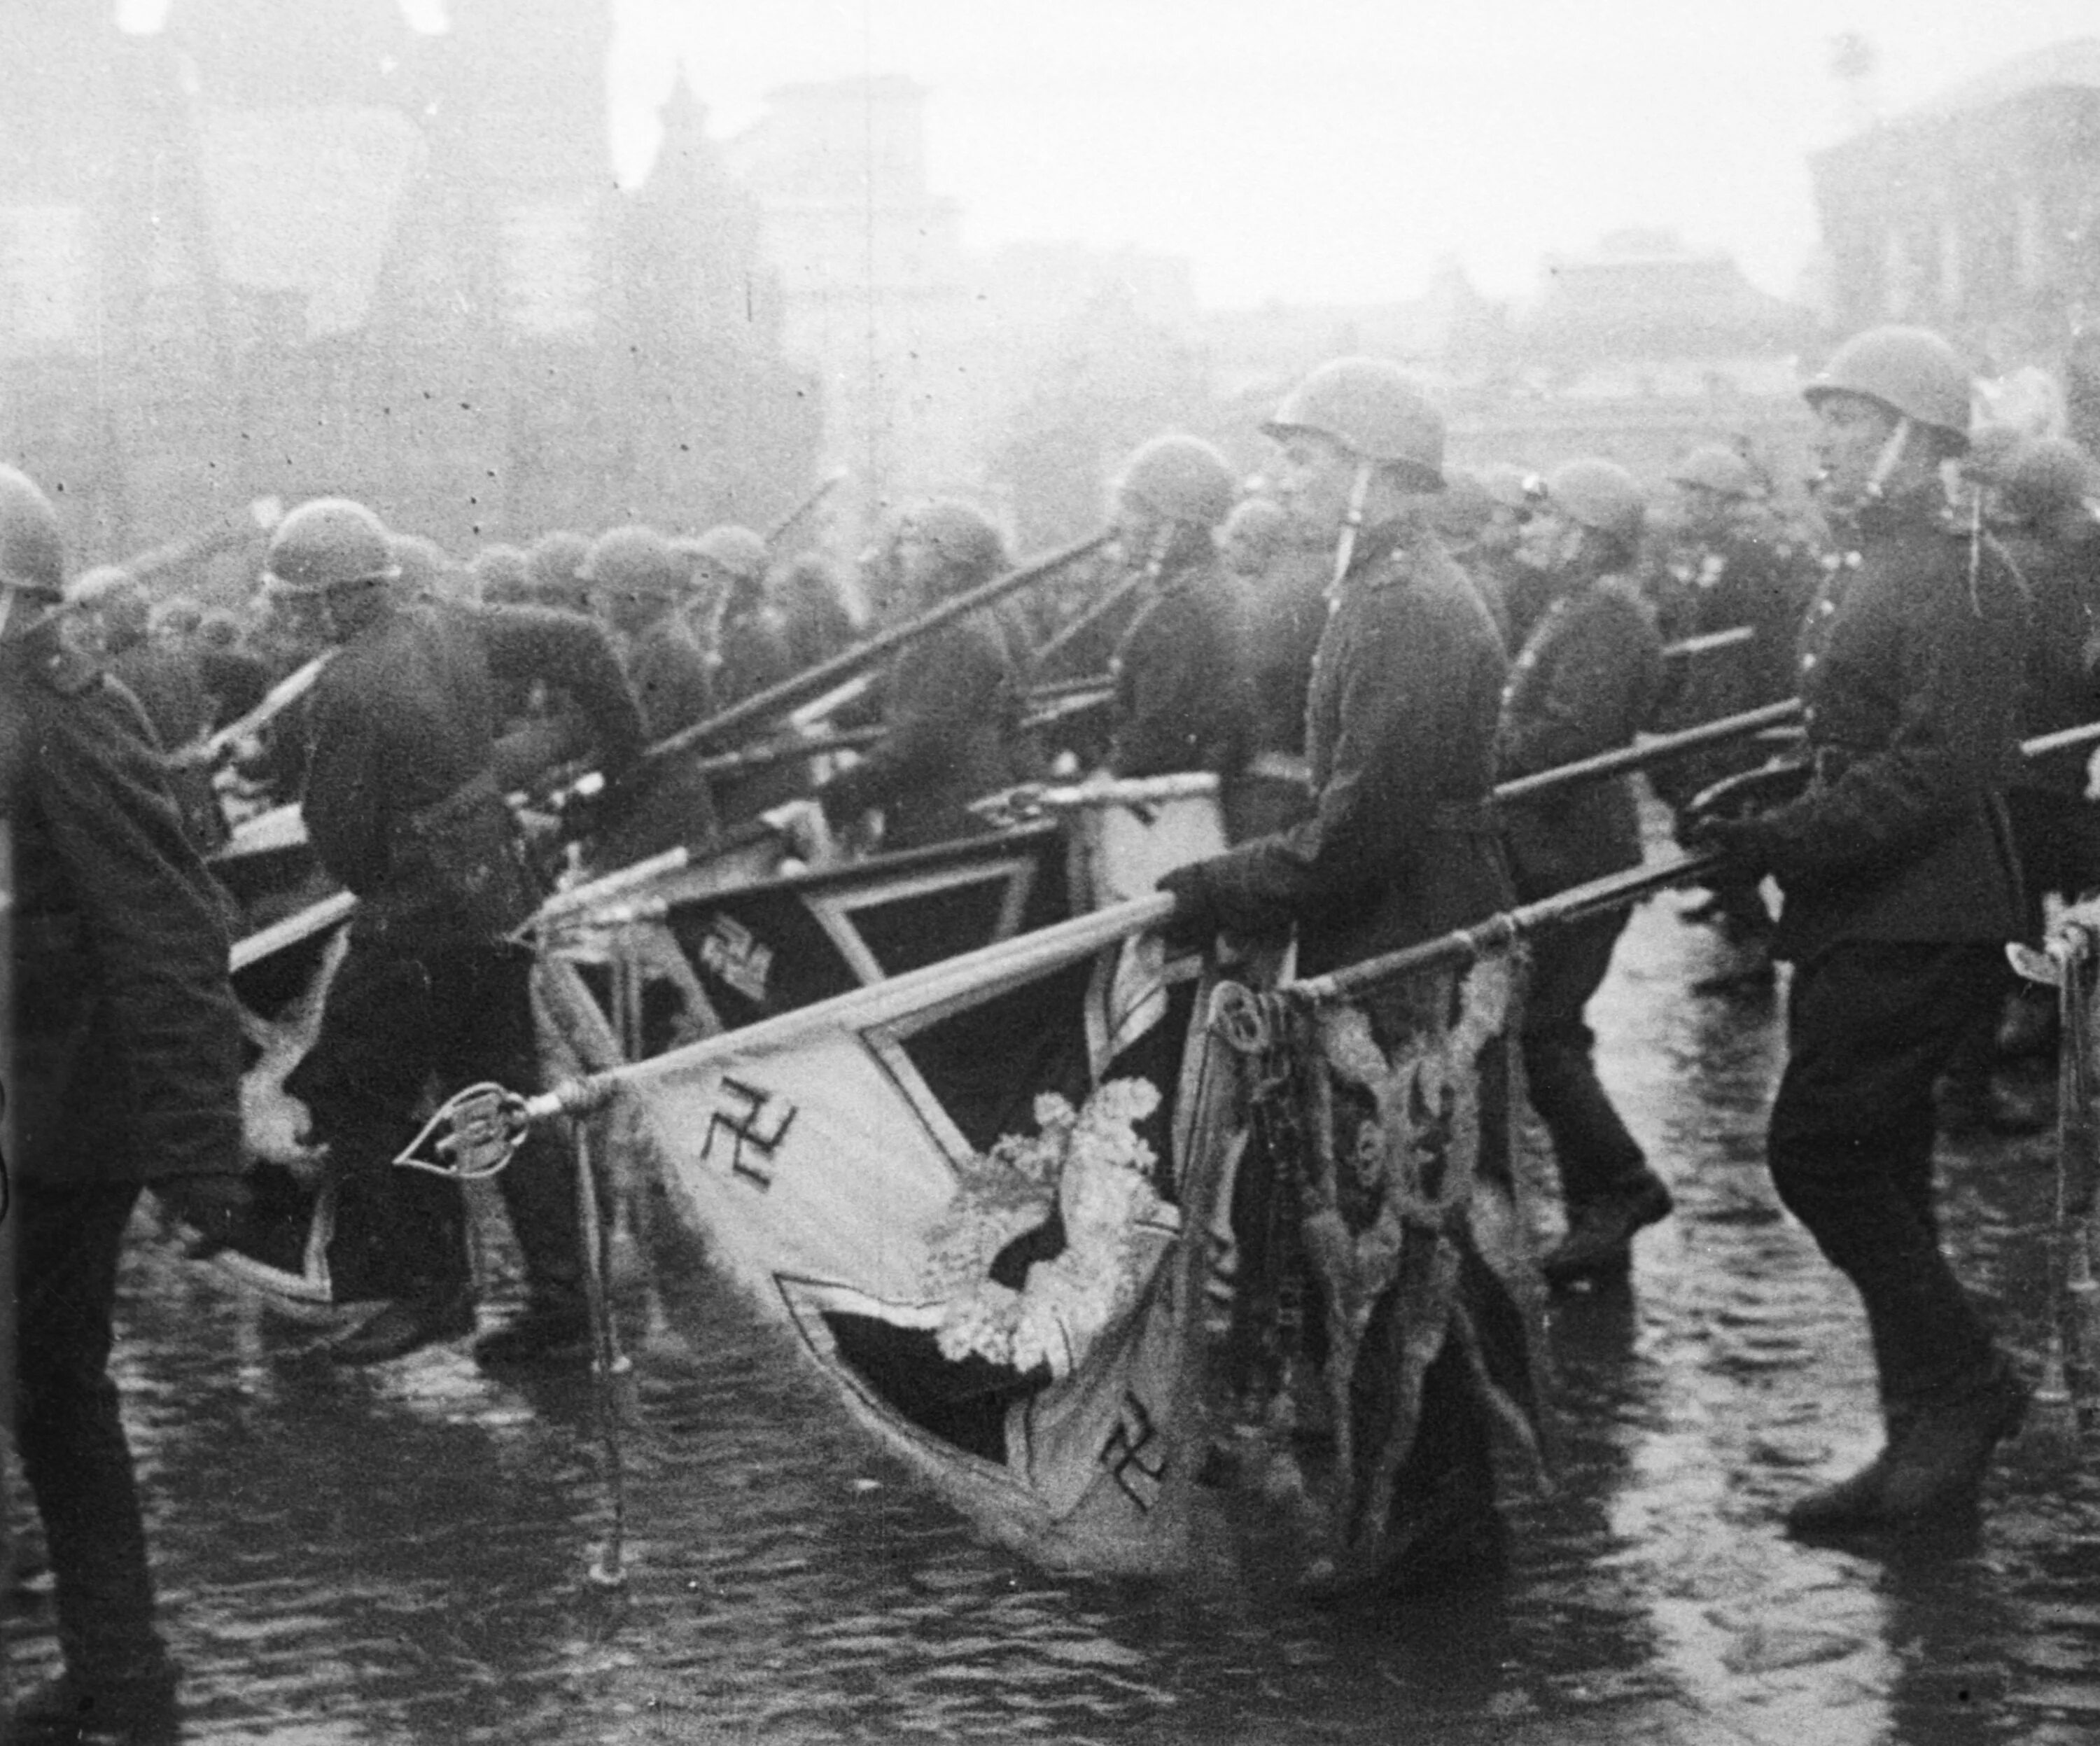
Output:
[[1851, 433], [1136, 524], [1313, 476], [1703, 512], [1548, 539]]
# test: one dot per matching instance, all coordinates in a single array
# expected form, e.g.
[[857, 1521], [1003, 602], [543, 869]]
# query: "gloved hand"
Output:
[[806, 834], [214, 1205], [1193, 926], [1740, 840], [1745, 794]]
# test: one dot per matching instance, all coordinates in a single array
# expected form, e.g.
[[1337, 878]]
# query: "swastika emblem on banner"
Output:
[[748, 1126], [1124, 1454]]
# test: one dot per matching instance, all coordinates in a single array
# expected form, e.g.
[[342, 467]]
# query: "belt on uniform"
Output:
[[1280, 766], [1464, 818]]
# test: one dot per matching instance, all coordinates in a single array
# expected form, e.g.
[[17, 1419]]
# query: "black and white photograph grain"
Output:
[[1093, 872]]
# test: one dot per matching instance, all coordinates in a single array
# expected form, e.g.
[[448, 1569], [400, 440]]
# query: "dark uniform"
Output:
[[672, 680], [1900, 888], [754, 657], [1585, 682], [169, 684], [403, 808], [1182, 697], [2055, 825], [1399, 730], [1733, 582], [1518, 593], [951, 719], [125, 1073], [1287, 615]]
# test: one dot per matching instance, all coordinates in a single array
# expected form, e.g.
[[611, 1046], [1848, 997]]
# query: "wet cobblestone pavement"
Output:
[[401, 1554]]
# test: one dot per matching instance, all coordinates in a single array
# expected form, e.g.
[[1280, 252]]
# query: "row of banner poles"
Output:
[[476, 1132]]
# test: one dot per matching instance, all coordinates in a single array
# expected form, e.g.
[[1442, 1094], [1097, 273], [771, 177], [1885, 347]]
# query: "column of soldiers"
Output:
[[1360, 652]]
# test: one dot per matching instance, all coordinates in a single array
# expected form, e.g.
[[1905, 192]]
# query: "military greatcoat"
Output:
[[1910, 670], [1400, 717]]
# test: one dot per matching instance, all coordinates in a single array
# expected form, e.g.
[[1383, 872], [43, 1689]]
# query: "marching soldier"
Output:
[[1586, 681], [124, 1073], [730, 563], [1501, 564], [553, 564], [641, 587], [1401, 845], [1286, 585], [952, 704], [1181, 699], [404, 807], [168, 681], [1731, 575], [2045, 497], [1401, 716], [1900, 889], [749, 643], [1462, 513], [501, 576], [2050, 506], [810, 602]]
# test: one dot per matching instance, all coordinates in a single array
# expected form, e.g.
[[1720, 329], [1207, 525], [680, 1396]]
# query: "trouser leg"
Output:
[[400, 1233], [1870, 1025], [497, 1042], [73, 1450], [1597, 1158]]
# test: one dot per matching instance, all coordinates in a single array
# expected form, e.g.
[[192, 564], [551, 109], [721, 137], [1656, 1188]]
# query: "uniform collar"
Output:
[[1371, 563], [1924, 507]]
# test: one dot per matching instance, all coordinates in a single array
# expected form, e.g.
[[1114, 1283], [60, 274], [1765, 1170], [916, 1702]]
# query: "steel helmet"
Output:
[[179, 616], [501, 572], [2047, 474], [635, 560], [1514, 487], [1715, 467], [328, 543], [119, 600], [1466, 506], [31, 554], [1600, 495], [737, 552], [1181, 477], [94, 586], [964, 539], [1259, 519], [1373, 408], [554, 558], [1911, 371]]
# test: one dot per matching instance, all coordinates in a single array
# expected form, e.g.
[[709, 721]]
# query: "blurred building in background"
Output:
[[242, 254], [1977, 212]]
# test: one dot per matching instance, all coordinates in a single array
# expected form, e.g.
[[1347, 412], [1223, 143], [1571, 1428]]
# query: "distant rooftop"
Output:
[[2074, 63]]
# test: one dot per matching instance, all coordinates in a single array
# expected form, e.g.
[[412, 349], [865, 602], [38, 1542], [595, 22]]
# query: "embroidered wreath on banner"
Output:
[[1087, 1165]]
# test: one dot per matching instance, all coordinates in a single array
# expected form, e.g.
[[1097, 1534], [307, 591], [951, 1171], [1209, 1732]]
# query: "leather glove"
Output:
[[1195, 925], [214, 1206], [1745, 794], [1740, 840], [805, 833]]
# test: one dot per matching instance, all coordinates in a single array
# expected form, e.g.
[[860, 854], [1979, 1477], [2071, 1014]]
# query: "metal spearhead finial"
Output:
[[473, 1135]]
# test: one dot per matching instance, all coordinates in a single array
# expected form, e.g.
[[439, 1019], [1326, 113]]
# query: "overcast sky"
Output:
[[1336, 150]]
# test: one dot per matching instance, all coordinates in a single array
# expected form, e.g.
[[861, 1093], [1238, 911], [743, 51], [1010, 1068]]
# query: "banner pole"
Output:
[[606, 1569]]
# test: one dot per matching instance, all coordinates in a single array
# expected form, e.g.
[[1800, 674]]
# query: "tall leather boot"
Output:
[[1939, 1448]]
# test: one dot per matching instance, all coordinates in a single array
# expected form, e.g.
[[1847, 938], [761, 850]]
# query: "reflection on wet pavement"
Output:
[[400, 1555]]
